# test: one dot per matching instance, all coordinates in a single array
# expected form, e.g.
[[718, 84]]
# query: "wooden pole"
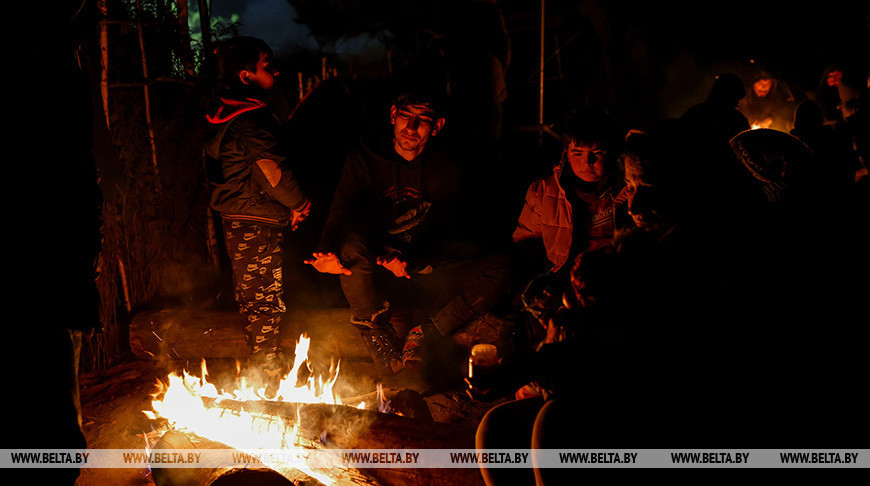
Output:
[[541, 73], [146, 88], [104, 58], [122, 271]]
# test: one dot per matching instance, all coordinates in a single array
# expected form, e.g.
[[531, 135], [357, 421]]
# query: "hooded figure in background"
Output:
[[827, 95], [768, 104], [837, 161]]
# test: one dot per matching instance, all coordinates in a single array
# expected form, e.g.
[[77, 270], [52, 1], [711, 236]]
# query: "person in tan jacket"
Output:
[[572, 210]]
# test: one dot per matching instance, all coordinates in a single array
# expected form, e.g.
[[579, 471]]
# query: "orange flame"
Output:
[[183, 408]]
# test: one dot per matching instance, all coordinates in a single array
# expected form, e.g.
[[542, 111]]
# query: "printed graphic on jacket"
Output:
[[602, 221], [409, 210]]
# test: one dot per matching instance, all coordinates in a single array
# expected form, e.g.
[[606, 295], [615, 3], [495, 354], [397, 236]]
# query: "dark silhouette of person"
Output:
[[57, 232], [718, 117], [827, 94], [855, 107], [804, 278], [838, 163]]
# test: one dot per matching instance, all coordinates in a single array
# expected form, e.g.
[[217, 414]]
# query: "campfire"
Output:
[[307, 416], [243, 418]]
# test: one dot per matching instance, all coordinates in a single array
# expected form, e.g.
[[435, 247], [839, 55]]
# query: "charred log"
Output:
[[342, 427], [244, 475], [214, 475]]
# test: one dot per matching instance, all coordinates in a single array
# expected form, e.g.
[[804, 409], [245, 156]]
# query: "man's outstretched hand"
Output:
[[327, 263], [395, 265]]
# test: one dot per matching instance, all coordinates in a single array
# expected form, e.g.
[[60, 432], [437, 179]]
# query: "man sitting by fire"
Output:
[[394, 226]]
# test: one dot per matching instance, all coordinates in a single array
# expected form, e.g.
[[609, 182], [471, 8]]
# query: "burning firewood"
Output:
[[343, 427], [312, 417], [327, 426]]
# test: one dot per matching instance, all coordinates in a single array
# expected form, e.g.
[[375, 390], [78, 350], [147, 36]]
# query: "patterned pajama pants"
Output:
[[255, 253]]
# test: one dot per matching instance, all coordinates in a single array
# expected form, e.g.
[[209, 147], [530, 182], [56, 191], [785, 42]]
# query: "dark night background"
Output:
[[680, 39]]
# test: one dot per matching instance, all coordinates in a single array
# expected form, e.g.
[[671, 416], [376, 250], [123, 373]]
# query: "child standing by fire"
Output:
[[255, 194]]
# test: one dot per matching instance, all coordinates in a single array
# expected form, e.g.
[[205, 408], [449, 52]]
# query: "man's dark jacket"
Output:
[[404, 208]]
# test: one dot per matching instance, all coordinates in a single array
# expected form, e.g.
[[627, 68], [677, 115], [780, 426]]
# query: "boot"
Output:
[[380, 339], [412, 351]]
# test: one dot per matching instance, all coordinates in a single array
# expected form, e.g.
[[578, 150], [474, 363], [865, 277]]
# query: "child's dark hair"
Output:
[[236, 55], [593, 128]]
